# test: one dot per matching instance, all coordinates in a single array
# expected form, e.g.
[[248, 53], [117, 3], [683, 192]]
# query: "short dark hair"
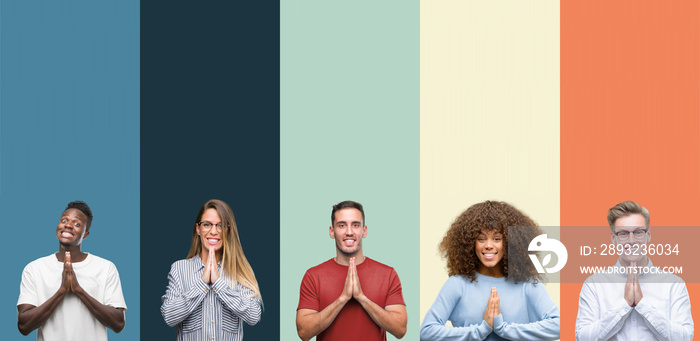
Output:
[[347, 204], [82, 207]]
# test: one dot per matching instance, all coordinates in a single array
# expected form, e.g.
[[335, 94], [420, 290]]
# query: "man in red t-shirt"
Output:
[[350, 297]]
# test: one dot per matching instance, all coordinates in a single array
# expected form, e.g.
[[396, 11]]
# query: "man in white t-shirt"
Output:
[[71, 295], [635, 301]]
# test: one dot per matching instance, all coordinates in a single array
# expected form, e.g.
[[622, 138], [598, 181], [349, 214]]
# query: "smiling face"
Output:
[[490, 252], [72, 228], [214, 237], [630, 224], [348, 230]]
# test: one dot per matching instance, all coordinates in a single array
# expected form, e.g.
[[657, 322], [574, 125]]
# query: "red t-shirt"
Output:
[[324, 283]]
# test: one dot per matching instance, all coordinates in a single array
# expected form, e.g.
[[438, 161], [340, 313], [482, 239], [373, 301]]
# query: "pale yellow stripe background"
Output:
[[489, 117]]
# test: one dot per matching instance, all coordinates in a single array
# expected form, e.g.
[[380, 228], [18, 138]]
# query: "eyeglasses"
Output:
[[638, 234], [206, 226]]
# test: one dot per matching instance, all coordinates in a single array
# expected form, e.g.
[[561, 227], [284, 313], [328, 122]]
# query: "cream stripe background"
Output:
[[489, 117]]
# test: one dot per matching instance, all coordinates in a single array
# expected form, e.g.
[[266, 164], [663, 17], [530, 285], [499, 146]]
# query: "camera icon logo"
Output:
[[543, 244]]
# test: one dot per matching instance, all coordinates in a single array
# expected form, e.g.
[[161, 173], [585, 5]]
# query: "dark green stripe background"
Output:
[[209, 129]]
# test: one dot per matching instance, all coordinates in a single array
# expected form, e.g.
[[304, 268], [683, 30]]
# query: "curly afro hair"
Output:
[[458, 245]]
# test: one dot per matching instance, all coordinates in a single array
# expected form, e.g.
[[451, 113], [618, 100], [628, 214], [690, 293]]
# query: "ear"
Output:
[[87, 232], [364, 231], [196, 228], [331, 232], [612, 237]]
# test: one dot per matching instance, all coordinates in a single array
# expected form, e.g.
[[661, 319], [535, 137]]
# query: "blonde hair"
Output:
[[233, 262], [624, 209]]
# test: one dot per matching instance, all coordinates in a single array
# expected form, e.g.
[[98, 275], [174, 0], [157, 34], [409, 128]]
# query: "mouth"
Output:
[[349, 241], [67, 234], [213, 241], [489, 255]]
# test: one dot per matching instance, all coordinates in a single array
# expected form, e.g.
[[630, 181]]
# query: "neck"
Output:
[[344, 259], [642, 262], [76, 255], [495, 271]]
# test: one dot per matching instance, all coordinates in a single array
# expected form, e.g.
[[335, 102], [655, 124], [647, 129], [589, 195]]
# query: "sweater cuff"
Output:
[[484, 329], [498, 324]]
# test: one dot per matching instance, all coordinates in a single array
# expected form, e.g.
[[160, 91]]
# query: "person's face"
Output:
[[214, 236], [72, 227], [628, 225], [489, 249], [348, 230]]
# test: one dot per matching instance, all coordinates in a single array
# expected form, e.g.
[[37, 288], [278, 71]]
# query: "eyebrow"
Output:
[[67, 216], [345, 222]]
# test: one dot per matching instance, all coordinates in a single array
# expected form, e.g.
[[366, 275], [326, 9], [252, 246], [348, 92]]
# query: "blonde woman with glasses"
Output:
[[213, 291]]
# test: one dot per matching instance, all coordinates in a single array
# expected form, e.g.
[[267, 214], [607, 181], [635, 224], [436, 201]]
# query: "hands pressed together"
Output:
[[352, 288], [69, 281], [211, 270], [493, 307], [633, 291]]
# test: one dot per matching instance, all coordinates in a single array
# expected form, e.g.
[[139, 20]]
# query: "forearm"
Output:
[[394, 321], [109, 316], [311, 323], [30, 317], [239, 300], [678, 327], [589, 327], [177, 305], [546, 329]]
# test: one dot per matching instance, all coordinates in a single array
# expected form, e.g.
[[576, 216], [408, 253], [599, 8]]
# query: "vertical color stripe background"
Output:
[[630, 118], [210, 130], [69, 130], [417, 110], [349, 131], [489, 117]]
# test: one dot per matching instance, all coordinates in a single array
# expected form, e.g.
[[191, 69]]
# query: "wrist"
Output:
[[344, 298], [361, 298], [78, 290]]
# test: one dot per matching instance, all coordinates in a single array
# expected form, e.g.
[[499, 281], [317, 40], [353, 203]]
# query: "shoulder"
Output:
[[602, 277], [97, 265], [323, 267], [458, 282], [377, 266], [184, 264], [665, 277], [40, 263], [531, 288], [99, 261]]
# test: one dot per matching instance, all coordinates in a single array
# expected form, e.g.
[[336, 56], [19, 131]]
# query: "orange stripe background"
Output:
[[630, 117]]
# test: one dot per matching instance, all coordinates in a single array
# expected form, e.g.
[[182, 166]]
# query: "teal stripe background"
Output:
[[69, 112], [349, 130]]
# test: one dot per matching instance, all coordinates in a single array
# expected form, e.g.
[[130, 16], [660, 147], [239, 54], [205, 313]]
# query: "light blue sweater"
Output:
[[527, 311]]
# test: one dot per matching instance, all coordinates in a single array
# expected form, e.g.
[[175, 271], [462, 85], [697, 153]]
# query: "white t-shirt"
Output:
[[71, 320]]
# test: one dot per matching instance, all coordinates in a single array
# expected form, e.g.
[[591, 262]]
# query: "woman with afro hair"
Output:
[[494, 292]]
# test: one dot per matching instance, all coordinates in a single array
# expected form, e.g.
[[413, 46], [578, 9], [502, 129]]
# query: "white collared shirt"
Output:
[[662, 314]]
